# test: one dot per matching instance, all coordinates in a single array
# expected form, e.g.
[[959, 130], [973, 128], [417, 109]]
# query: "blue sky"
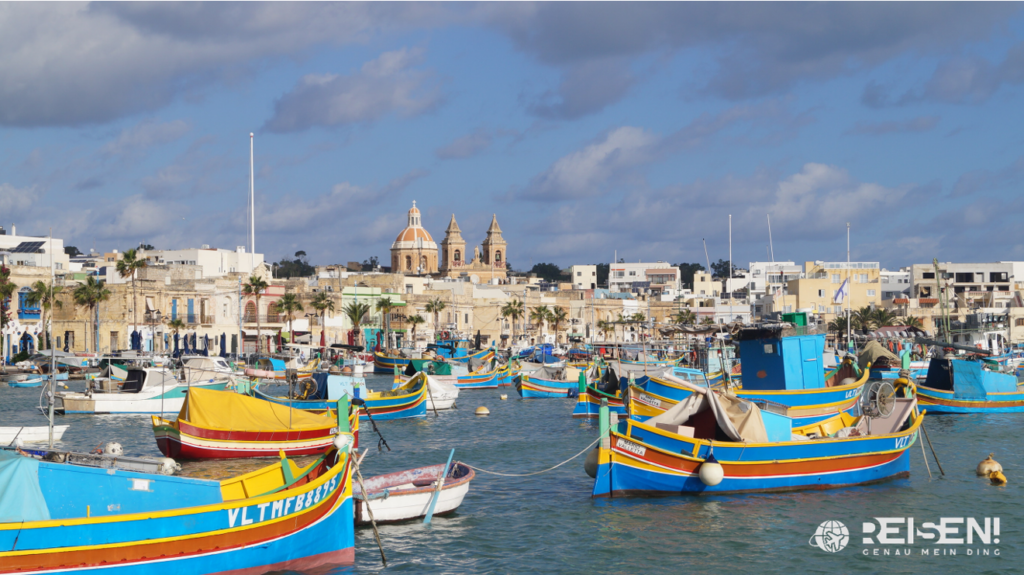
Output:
[[587, 128]]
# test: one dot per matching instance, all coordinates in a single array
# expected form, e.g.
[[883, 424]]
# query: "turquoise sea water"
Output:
[[549, 524]]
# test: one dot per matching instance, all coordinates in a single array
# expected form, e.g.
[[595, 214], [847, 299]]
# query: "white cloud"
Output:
[[465, 146], [586, 172], [16, 200], [146, 134], [387, 84]]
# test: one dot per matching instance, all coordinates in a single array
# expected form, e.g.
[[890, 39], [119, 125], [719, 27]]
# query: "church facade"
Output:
[[414, 252]]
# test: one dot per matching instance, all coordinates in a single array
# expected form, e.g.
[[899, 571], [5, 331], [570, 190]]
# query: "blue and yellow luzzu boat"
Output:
[[279, 518], [761, 451], [548, 382], [484, 378], [970, 386], [409, 400], [506, 375]]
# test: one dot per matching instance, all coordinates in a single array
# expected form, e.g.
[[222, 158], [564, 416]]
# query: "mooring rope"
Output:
[[593, 443]]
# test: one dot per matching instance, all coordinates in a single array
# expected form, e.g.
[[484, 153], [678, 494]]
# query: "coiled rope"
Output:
[[593, 443]]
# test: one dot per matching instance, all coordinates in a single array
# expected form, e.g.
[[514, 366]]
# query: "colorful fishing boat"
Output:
[[410, 400], [548, 382], [406, 495], [717, 443], [279, 518], [607, 389], [225, 425], [484, 378], [970, 386], [147, 390]]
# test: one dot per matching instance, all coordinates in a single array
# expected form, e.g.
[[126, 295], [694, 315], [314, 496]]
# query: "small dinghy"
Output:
[[38, 434], [25, 380], [406, 495]]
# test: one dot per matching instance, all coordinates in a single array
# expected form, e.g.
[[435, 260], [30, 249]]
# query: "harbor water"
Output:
[[548, 523]]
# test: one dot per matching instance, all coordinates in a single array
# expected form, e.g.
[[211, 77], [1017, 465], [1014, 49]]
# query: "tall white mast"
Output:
[[53, 358], [849, 287], [252, 209]]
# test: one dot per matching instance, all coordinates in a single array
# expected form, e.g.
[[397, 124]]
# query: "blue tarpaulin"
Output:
[[21, 499], [176, 352], [223, 345], [206, 344]]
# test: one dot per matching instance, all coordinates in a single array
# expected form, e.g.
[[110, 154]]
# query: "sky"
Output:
[[590, 129]]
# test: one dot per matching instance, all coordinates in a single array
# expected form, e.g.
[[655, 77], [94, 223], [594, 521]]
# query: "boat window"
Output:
[[133, 383]]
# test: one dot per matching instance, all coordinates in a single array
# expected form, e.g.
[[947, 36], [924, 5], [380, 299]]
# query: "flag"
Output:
[[842, 292]]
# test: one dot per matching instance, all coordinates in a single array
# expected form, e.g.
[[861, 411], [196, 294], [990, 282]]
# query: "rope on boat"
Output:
[[593, 443]]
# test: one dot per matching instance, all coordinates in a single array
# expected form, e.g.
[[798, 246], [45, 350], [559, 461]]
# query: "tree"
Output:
[[684, 317], [7, 289], [911, 321], [687, 271], [384, 307], [130, 263], [435, 306], [357, 314], [707, 321], [254, 287], [720, 269], [296, 268], [289, 304], [322, 303], [605, 327], [40, 295], [539, 315], [72, 251], [549, 272], [370, 263], [89, 295], [513, 309], [415, 320], [176, 325], [838, 327], [557, 316], [884, 317], [864, 318], [144, 247]]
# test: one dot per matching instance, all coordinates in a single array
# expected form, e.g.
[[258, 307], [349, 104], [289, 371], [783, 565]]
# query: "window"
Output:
[[619, 274], [408, 263], [992, 276], [632, 273], [458, 255], [408, 289], [871, 293], [928, 275], [965, 277], [821, 293], [1019, 322], [497, 257], [467, 319], [579, 274], [835, 278]]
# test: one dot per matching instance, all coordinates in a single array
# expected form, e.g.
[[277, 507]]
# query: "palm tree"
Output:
[[126, 267], [911, 321], [176, 325], [684, 317], [435, 306], [884, 317], [42, 296], [539, 315], [604, 327], [7, 290], [864, 318], [557, 316], [322, 303], [357, 313], [384, 307], [513, 309], [415, 320], [707, 321], [89, 295], [289, 304], [255, 287], [838, 326]]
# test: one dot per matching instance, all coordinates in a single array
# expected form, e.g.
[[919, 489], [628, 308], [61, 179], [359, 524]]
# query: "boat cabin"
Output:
[[969, 379], [779, 357]]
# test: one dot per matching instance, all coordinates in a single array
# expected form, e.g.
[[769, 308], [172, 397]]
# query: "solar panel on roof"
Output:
[[27, 247]]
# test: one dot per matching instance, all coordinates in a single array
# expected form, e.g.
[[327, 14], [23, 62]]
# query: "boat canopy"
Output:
[[21, 498], [737, 418], [873, 353], [214, 409]]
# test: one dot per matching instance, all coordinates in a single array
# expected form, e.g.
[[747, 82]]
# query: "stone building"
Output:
[[414, 251]]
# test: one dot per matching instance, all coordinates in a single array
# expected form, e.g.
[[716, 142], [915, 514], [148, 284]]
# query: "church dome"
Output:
[[414, 235]]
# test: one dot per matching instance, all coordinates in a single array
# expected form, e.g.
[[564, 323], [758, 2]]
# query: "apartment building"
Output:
[[816, 290], [643, 278], [583, 277]]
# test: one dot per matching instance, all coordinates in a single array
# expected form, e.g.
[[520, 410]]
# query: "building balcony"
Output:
[[264, 318]]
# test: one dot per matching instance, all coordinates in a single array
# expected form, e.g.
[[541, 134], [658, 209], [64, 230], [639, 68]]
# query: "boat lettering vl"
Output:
[[632, 447], [243, 516]]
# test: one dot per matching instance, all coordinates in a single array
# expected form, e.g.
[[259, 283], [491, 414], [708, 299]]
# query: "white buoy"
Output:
[[168, 466], [483, 411], [113, 449], [711, 472], [988, 465], [504, 397]]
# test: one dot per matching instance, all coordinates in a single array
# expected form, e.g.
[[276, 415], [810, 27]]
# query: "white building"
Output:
[[214, 262], [583, 277], [766, 277], [33, 250], [895, 284], [640, 277]]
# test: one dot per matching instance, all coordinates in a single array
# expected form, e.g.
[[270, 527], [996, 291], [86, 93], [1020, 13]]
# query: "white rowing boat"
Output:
[[38, 434], [406, 495]]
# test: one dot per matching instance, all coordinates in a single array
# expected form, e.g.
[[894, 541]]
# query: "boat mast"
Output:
[[53, 358], [849, 289], [252, 212]]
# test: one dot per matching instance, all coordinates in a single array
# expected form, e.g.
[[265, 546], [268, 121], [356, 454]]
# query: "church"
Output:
[[414, 252]]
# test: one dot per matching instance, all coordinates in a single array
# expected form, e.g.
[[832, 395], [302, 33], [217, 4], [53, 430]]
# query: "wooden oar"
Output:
[[437, 491]]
